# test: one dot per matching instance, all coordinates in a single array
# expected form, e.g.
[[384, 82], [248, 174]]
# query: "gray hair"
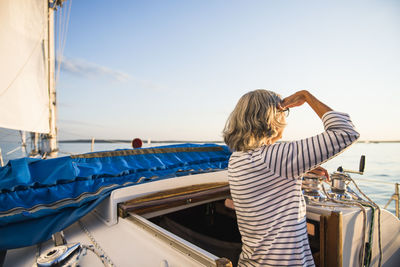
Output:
[[254, 122]]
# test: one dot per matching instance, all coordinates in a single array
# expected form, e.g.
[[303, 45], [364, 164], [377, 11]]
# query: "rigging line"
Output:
[[9, 134], [8, 141], [64, 40], [59, 36], [374, 181], [12, 151], [11, 141], [66, 25], [59, 22], [62, 26], [62, 131]]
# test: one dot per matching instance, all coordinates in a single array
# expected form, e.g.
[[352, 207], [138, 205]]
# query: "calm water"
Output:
[[382, 164]]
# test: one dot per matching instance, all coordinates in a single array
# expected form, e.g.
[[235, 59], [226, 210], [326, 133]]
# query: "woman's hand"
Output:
[[300, 97], [319, 171], [295, 100]]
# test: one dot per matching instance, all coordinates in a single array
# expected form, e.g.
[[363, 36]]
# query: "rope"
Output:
[[379, 220], [98, 254], [360, 204], [367, 260], [361, 256], [96, 246], [12, 151]]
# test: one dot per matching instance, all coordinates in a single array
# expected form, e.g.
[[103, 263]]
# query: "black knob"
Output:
[[362, 163]]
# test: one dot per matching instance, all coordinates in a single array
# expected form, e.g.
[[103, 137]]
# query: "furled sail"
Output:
[[24, 93]]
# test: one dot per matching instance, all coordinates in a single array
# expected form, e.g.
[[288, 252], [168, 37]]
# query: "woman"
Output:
[[265, 177]]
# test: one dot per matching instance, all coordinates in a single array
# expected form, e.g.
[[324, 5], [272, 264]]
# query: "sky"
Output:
[[174, 70]]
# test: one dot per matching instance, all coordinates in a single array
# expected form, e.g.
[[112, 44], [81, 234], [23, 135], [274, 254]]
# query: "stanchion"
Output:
[[1, 159], [92, 147], [395, 197]]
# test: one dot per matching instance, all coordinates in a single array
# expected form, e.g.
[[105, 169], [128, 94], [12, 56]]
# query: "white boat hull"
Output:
[[135, 241]]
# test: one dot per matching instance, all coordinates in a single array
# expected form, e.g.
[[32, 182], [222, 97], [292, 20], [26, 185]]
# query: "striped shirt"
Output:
[[265, 186]]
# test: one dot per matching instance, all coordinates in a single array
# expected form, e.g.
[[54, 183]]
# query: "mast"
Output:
[[52, 136]]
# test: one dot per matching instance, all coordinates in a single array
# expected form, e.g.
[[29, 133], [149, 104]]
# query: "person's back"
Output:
[[264, 176]]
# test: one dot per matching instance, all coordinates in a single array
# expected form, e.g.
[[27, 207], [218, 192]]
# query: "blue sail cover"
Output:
[[41, 197]]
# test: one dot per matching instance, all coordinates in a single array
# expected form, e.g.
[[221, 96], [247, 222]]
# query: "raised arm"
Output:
[[293, 159]]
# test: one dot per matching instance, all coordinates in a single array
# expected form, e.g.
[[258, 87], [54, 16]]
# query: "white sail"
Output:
[[24, 93]]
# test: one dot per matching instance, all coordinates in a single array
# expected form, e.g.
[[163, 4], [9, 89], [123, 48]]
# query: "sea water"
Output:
[[382, 167]]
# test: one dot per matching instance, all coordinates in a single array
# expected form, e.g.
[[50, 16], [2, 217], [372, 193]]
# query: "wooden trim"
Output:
[[317, 260], [331, 241], [173, 198], [144, 151], [322, 247]]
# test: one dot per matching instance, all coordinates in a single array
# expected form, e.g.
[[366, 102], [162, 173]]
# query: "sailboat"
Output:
[[159, 206]]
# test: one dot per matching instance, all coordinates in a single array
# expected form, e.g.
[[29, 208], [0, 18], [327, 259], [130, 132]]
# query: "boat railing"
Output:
[[1, 159], [395, 196]]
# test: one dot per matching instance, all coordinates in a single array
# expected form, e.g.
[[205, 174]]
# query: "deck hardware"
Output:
[[1, 159], [396, 198], [59, 255]]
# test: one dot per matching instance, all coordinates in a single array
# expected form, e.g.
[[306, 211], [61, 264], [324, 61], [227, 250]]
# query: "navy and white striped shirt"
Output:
[[265, 186]]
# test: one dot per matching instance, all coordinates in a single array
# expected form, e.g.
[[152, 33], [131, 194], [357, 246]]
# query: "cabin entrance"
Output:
[[210, 226], [198, 215]]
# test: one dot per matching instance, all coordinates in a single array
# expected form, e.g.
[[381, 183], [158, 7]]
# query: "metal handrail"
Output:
[[1, 159], [374, 181], [396, 198]]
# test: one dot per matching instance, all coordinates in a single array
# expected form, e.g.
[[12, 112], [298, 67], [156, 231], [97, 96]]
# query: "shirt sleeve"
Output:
[[293, 159]]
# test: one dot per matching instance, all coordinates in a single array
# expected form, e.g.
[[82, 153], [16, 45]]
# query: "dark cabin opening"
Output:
[[210, 226]]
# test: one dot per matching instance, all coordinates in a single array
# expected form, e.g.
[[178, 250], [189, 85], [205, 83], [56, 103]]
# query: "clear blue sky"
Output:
[[175, 69]]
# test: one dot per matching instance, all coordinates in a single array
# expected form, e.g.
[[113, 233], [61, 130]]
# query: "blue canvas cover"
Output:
[[41, 197]]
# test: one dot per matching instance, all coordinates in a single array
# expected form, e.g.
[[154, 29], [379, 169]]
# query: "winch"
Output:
[[340, 180], [313, 189]]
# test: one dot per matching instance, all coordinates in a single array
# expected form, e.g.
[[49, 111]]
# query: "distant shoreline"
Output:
[[377, 141], [190, 141], [130, 141]]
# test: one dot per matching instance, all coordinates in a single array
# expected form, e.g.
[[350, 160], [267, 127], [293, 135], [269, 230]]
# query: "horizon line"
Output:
[[188, 141]]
